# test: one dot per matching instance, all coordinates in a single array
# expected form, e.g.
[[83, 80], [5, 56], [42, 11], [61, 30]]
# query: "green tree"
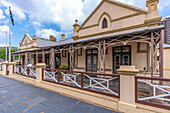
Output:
[[3, 52]]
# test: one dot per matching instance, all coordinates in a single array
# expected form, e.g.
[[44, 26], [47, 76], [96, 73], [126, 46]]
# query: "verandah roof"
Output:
[[125, 34]]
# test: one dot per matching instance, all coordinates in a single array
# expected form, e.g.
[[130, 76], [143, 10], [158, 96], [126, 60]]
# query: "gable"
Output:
[[27, 42], [118, 14]]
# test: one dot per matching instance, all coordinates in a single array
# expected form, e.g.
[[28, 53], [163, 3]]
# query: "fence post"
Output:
[[11, 67], [127, 89], [4, 68], [39, 67]]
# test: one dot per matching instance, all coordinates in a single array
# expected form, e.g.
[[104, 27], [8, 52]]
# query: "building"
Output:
[[166, 23], [105, 41]]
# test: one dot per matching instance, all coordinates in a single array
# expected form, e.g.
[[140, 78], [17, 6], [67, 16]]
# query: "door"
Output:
[[121, 56], [23, 60], [91, 60], [57, 60]]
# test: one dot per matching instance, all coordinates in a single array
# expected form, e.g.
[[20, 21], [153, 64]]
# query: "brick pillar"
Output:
[[127, 89]]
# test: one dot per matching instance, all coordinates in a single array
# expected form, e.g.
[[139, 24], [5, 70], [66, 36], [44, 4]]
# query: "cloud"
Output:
[[61, 13], [16, 10], [45, 33], [3, 44], [3, 30], [1, 15]]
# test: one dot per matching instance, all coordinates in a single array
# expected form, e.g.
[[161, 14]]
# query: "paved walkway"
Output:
[[18, 97]]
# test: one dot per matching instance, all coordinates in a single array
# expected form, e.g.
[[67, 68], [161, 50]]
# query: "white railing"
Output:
[[94, 83], [165, 90], [27, 71]]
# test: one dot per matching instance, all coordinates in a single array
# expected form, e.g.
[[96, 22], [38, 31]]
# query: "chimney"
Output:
[[63, 36], [52, 38], [75, 33], [152, 8]]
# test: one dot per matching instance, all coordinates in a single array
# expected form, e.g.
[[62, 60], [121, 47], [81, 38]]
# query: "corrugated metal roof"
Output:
[[71, 41]]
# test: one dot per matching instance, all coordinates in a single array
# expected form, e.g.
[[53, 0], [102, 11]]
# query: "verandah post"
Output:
[[161, 52]]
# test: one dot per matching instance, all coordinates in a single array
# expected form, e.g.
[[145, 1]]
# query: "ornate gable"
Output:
[[26, 43], [118, 17]]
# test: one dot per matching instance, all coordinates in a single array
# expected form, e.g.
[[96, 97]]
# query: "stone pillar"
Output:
[[4, 68], [11, 67], [127, 89], [39, 67]]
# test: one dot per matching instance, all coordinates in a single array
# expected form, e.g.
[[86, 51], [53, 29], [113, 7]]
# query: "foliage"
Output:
[[64, 67], [3, 52]]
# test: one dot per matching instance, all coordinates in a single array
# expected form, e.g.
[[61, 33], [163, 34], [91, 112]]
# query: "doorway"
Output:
[[91, 60], [57, 60], [121, 56]]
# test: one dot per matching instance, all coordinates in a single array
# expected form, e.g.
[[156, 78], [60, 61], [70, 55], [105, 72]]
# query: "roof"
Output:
[[45, 43], [71, 41]]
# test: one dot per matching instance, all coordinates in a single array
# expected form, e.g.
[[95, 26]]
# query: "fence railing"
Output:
[[106, 84], [153, 91], [25, 71]]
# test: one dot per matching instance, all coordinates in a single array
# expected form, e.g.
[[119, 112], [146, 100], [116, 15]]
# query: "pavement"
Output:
[[18, 97]]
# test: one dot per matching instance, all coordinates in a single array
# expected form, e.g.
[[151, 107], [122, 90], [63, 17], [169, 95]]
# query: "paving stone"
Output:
[[36, 109], [69, 102], [16, 108], [98, 109], [52, 102], [35, 101], [4, 105], [57, 109], [18, 100]]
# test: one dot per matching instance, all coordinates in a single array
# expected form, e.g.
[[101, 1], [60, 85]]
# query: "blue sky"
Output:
[[53, 17]]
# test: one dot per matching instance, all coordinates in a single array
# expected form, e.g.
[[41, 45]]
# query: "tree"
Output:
[[3, 52]]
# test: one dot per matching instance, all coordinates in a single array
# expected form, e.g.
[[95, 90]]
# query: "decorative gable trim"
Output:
[[139, 10]]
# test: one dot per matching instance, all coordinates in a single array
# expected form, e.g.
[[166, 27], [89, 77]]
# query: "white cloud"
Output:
[[61, 12], [3, 30], [16, 10], [1, 15], [45, 33], [3, 44]]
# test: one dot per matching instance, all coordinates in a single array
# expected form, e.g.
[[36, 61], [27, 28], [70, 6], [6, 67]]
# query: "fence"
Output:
[[153, 91], [25, 71], [106, 84]]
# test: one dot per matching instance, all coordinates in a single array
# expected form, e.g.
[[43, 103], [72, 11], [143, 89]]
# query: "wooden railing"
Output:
[[153, 91], [25, 71], [106, 84]]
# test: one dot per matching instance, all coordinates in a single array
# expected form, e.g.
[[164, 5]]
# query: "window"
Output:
[[104, 23]]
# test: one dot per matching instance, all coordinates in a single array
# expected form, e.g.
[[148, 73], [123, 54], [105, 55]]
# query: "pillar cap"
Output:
[[40, 65], [12, 63], [4, 62], [127, 70]]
